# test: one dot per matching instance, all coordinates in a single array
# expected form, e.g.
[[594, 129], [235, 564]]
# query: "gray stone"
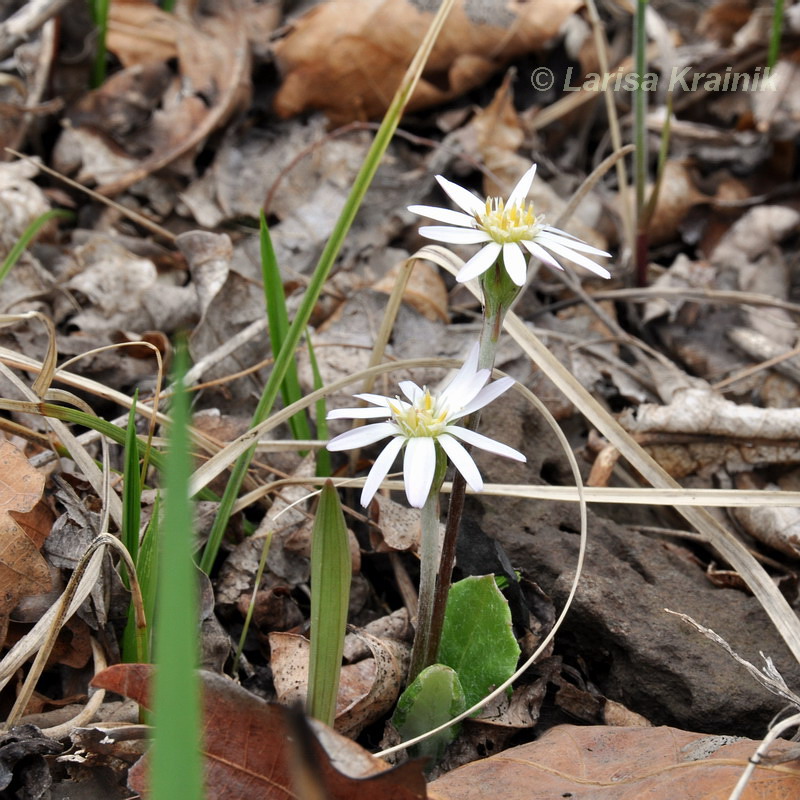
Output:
[[634, 652]]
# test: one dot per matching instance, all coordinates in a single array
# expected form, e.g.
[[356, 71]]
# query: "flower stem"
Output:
[[495, 307], [424, 650]]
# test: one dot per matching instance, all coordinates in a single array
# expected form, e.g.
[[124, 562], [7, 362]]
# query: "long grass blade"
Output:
[[176, 767], [278, 318], [132, 490]]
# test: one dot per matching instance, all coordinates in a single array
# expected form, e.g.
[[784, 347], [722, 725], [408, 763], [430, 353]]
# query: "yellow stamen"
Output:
[[507, 224]]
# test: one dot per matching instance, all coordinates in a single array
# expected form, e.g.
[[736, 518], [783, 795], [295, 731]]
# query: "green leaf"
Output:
[[435, 696], [278, 320], [330, 599], [176, 766], [135, 642], [132, 489], [477, 639]]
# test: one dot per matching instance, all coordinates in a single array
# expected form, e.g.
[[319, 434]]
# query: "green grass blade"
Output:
[[364, 178], [278, 319], [132, 490], [775, 36], [27, 237], [100, 18], [330, 598], [177, 766], [148, 572], [324, 467]]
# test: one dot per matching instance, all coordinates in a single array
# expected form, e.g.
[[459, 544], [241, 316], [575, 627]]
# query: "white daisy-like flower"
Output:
[[504, 227], [421, 422]]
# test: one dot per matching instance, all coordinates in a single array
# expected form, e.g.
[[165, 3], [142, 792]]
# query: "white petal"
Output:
[[382, 465], [520, 193], [515, 263], [358, 413], [470, 389], [573, 242], [375, 399], [484, 442], [540, 253], [565, 252], [419, 464], [454, 235], [444, 215], [461, 197], [361, 437], [463, 461], [486, 395], [454, 391], [411, 390], [479, 263]]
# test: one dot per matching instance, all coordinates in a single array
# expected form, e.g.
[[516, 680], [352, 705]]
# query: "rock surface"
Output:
[[633, 651]]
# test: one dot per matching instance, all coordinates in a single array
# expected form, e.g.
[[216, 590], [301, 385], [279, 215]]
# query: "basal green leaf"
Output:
[[477, 640], [434, 697]]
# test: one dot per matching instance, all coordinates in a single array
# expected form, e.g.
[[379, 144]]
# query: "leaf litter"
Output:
[[208, 117]]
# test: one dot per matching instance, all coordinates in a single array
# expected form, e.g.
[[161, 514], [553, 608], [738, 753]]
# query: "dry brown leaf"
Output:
[[23, 570], [677, 196], [600, 763], [214, 60], [347, 57], [425, 290], [399, 526], [248, 748], [367, 689]]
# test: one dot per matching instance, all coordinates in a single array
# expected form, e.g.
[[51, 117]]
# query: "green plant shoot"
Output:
[[330, 599]]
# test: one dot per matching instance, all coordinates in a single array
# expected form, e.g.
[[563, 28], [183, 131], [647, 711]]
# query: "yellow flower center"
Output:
[[421, 418], [507, 224]]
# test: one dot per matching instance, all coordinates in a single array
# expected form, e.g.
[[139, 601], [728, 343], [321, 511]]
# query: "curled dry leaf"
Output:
[[777, 527], [599, 763], [249, 753], [347, 57], [367, 689], [425, 290], [23, 570], [697, 409]]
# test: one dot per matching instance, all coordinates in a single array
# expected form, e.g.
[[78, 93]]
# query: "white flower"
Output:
[[419, 423], [502, 226]]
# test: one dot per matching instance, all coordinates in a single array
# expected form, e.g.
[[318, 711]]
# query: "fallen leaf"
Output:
[[398, 526], [367, 689], [347, 57], [23, 570], [248, 747], [214, 72], [600, 763], [425, 290]]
